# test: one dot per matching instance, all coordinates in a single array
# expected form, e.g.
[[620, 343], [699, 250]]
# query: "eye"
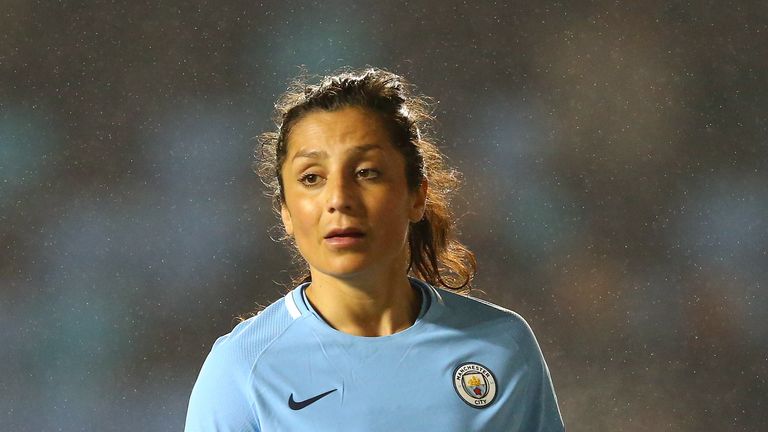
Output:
[[309, 179], [368, 173]]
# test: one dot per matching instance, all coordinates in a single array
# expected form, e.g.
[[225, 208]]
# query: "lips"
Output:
[[345, 232]]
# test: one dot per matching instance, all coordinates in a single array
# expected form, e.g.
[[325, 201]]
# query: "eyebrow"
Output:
[[320, 154]]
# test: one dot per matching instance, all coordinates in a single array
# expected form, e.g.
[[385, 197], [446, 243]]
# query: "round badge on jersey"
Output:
[[475, 384]]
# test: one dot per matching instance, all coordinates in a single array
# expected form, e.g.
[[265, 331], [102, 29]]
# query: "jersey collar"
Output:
[[297, 304]]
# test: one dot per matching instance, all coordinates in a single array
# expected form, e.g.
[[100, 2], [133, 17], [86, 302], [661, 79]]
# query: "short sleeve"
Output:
[[221, 399], [542, 413]]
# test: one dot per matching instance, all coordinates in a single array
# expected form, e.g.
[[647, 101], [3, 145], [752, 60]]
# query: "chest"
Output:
[[435, 385]]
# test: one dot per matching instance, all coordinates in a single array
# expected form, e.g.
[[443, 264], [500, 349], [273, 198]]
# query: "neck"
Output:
[[370, 307]]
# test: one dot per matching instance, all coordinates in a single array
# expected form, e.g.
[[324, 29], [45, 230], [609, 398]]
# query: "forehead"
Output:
[[332, 131]]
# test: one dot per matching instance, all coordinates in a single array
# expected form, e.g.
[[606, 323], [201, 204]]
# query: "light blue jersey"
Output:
[[464, 365]]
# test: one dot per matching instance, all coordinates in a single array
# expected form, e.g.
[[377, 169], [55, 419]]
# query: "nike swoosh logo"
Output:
[[305, 403]]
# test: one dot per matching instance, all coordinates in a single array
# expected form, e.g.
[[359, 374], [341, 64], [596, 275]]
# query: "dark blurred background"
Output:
[[615, 161]]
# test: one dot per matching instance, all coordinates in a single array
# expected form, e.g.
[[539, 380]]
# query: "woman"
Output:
[[368, 341]]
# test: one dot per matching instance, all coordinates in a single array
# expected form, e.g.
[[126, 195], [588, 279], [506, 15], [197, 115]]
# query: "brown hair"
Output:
[[435, 255]]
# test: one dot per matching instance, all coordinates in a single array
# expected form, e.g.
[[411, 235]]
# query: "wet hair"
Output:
[[436, 256]]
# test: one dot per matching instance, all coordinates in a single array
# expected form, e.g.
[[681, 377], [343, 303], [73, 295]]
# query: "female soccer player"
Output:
[[380, 334]]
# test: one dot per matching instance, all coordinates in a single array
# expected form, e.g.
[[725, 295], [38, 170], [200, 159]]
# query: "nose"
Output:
[[340, 194]]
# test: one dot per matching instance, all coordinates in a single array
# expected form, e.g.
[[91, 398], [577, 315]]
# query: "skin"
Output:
[[342, 170]]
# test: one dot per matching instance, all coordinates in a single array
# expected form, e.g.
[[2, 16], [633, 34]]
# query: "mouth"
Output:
[[345, 233]]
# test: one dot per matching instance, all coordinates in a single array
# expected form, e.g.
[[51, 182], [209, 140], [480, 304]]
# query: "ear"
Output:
[[416, 212], [285, 215]]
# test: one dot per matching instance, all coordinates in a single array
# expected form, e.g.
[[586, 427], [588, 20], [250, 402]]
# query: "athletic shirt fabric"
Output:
[[464, 365]]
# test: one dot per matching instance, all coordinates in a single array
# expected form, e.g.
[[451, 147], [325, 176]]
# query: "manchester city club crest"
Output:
[[475, 384]]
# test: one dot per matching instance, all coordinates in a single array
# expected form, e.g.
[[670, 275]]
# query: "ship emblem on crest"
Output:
[[475, 384]]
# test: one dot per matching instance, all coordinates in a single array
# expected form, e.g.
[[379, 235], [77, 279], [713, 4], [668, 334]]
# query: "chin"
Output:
[[345, 272], [344, 268], [354, 265]]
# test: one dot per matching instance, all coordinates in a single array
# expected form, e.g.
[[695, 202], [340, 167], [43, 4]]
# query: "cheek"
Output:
[[392, 213], [305, 216]]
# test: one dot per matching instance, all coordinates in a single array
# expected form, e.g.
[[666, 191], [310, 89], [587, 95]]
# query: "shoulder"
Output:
[[222, 397], [475, 309], [248, 339], [486, 318], [507, 332], [459, 302]]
